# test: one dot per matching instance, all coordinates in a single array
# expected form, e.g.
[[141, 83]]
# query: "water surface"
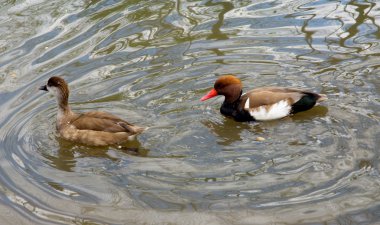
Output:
[[150, 62]]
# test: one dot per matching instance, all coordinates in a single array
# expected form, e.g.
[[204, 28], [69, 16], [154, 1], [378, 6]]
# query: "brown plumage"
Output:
[[92, 128], [265, 103]]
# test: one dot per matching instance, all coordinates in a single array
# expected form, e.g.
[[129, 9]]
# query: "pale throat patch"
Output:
[[53, 90], [58, 96], [269, 112]]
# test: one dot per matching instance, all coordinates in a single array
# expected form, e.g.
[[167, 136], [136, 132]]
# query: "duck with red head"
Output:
[[265, 103]]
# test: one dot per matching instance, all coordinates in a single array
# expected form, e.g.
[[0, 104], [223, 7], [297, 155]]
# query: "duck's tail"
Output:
[[138, 130], [133, 129]]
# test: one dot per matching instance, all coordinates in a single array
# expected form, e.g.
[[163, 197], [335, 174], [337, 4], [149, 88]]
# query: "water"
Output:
[[151, 62]]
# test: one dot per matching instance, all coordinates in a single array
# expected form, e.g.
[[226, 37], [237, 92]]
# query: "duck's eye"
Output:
[[219, 86]]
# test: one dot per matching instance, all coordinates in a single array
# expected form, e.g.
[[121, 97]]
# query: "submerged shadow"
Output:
[[315, 112], [68, 153], [229, 131]]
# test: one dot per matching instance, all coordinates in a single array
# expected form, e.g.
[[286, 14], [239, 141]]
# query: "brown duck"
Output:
[[265, 103], [92, 128]]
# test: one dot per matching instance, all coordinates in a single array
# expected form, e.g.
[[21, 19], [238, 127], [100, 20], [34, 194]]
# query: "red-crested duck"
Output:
[[261, 104]]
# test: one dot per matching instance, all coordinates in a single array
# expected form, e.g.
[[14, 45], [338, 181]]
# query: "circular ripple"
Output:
[[150, 62]]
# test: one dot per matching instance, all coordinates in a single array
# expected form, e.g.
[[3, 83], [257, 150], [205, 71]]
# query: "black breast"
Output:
[[233, 110]]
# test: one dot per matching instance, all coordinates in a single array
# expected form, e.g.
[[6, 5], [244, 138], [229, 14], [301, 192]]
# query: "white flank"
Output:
[[276, 111], [246, 105]]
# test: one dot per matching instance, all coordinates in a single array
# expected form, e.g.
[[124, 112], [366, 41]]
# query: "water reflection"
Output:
[[353, 31], [68, 153], [314, 113], [229, 131], [216, 32]]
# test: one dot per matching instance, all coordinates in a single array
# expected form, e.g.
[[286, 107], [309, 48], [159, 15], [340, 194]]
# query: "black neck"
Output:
[[234, 104]]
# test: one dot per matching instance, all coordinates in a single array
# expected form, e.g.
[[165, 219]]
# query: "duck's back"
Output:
[[269, 103], [103, 121], [98, 129]]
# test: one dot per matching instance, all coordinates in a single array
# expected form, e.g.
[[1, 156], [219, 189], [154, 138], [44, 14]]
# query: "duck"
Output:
[[94, 128], [263, 103]]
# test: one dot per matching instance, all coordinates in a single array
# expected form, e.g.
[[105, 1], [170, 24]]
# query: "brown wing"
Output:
[[103, 121], [101, 115], [271, 95], [94, 138]]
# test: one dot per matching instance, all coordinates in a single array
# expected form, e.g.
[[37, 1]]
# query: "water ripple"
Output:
[[151, 62]]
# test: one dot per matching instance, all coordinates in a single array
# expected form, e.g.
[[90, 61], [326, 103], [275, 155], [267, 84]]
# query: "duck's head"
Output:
[[228, 85], [58, 87]]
